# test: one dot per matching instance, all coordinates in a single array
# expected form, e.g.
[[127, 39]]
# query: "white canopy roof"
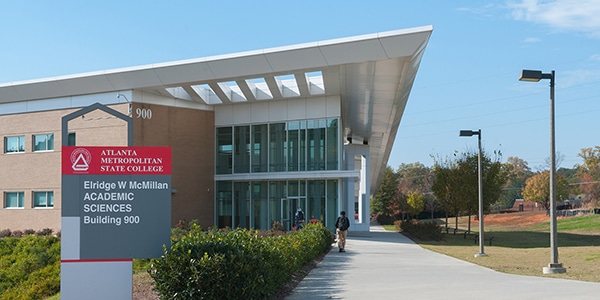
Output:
[[373, 75]]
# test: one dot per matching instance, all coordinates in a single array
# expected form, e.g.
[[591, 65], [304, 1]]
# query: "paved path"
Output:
[[387, 265]]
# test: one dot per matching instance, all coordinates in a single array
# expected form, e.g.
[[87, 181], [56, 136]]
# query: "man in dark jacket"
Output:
[[341, 228]]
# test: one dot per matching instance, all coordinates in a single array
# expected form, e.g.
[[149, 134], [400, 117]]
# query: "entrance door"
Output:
[[288, 210]]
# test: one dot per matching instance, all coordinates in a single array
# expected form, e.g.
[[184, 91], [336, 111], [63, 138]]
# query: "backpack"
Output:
[[343, 223], [300, 215]]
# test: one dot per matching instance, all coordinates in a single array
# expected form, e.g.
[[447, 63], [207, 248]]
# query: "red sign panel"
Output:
[[116, 160]]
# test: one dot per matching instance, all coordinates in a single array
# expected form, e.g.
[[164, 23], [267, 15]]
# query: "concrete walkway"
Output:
[[387, 265]]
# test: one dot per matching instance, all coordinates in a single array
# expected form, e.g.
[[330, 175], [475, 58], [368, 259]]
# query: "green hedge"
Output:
[[234, 264], [29, 267], [425, 231]]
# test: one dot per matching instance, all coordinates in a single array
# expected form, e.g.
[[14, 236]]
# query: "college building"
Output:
[[254, 135]]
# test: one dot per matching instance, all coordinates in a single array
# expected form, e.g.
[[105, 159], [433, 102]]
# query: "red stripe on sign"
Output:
[[116, 160]]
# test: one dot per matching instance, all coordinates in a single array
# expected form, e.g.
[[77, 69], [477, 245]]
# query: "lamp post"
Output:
[[480, 187], [554, 266]]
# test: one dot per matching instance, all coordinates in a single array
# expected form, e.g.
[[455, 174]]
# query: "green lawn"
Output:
[[527, 250]]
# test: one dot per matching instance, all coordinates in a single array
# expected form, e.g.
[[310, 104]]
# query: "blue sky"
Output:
[[468, 78]]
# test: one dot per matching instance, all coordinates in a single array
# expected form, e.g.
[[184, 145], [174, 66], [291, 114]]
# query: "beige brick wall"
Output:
[[190, 133], [41, 171]]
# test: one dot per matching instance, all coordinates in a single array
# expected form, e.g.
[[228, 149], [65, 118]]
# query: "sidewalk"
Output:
[[387, 265]]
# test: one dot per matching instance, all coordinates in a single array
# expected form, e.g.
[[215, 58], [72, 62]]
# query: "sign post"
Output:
[[116, 206]]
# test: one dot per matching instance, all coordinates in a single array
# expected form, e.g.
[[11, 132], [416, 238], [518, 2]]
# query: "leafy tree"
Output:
[[383, 201], [416, 203], [516, 171], [415, 177], [493, 180], [589, 174], [444, 187], [457, 183], [537, 188]]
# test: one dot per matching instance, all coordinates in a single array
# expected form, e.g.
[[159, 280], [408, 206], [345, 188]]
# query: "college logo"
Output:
[[80, 159]]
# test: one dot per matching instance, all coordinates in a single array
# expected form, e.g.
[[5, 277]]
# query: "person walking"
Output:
[[341, 228], [299, 219]]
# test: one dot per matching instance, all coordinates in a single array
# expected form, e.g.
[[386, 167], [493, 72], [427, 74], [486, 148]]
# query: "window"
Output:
[[14, 144], [71, 139], [43, 199], [14, 200], [43, 142]]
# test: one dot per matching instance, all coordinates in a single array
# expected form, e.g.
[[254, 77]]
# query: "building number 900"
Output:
[[144, 113], [131, 219]]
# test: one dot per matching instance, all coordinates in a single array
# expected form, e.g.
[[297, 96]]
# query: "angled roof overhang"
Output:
[[372, 74]]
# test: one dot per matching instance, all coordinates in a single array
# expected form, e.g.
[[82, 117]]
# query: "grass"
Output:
[[525, 249]]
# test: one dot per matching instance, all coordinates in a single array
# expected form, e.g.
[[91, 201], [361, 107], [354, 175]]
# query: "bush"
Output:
[[234, 264], [385, 219], [29, 267], [426, 231]]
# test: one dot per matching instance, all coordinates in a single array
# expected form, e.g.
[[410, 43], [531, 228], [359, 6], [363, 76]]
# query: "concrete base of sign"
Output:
[[96, 280]]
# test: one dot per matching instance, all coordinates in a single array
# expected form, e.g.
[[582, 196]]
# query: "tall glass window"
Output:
[[277, 190], [277, 151], [224, 205], [332, 144], [331, 205], [224, 161], [316, 145], [242, 149], [303, 148], [260, 144], [43, 142], [241, 204], [293, 131], [260, 200]]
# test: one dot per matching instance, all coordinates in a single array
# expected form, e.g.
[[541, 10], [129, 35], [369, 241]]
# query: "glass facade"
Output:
[[306, 145], [294, 146], [258, 204]]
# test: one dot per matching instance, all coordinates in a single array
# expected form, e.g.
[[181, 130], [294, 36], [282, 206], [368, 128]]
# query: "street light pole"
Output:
[[554, 266], [480, 187]]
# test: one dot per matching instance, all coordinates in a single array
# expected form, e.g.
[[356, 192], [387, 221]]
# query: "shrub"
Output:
[[234, 264], [44, 232], [29, 267], [385, 219], [426, 231], [5, 233]]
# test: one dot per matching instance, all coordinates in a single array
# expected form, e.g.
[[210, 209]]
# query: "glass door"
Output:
[[289, 206]]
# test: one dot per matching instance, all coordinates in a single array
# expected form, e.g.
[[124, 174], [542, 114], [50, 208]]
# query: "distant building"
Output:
[[254, 135]]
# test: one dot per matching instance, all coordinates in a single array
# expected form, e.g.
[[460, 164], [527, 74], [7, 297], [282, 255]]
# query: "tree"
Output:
[[537, 189], [457, 182], [383, 201], [416, 203], [444, 187], [493, 180], [589, 174], [414, 177], [516, 171]]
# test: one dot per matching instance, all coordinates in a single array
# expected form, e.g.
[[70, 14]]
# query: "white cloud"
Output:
[[595, 57], [531, 40], [569, 15]]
